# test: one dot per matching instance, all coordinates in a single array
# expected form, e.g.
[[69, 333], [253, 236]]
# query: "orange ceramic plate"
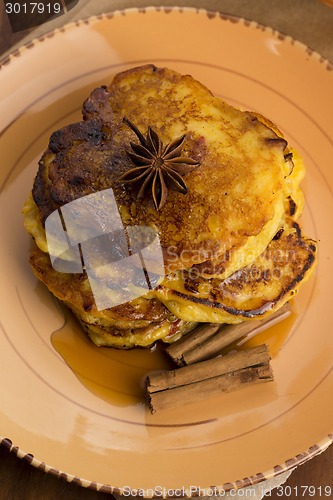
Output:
[[63, 416]]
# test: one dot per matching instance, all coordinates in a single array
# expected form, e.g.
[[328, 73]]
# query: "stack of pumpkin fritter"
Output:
[[219, 186]]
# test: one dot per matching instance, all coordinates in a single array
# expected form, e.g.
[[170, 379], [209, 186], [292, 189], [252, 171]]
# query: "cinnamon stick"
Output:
[[198, 335], [208, 378], [209, 368], [194, 347]]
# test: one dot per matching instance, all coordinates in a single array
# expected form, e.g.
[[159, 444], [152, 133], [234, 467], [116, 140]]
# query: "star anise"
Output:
[[156, 166]]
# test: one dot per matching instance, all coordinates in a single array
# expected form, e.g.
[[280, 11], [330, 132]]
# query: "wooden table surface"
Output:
[[18, 479]]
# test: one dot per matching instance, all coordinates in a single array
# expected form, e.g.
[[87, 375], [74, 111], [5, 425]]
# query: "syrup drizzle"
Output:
[[118, 376], [115, 375]]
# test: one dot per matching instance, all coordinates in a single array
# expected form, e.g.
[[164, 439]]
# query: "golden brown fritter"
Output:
[[74, 290], [254, 291], [242, 166], [140, 322], [231, 246]]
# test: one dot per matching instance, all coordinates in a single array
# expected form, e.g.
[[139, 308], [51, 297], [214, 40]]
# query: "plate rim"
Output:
[[287, 466], [12, 55], [290, 463]]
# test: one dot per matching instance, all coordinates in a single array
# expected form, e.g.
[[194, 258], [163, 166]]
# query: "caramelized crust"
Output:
[[253, 291], [242, 166], [231, 246], [74, 291], [139, 323]]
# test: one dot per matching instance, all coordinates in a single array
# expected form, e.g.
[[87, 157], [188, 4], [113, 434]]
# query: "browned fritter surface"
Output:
[[74, 291], [241, 168], [256, 290]]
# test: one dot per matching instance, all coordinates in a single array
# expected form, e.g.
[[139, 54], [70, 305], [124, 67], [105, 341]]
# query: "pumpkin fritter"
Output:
[[231, 245], [242, 166], [253, 292], [140, 322]]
